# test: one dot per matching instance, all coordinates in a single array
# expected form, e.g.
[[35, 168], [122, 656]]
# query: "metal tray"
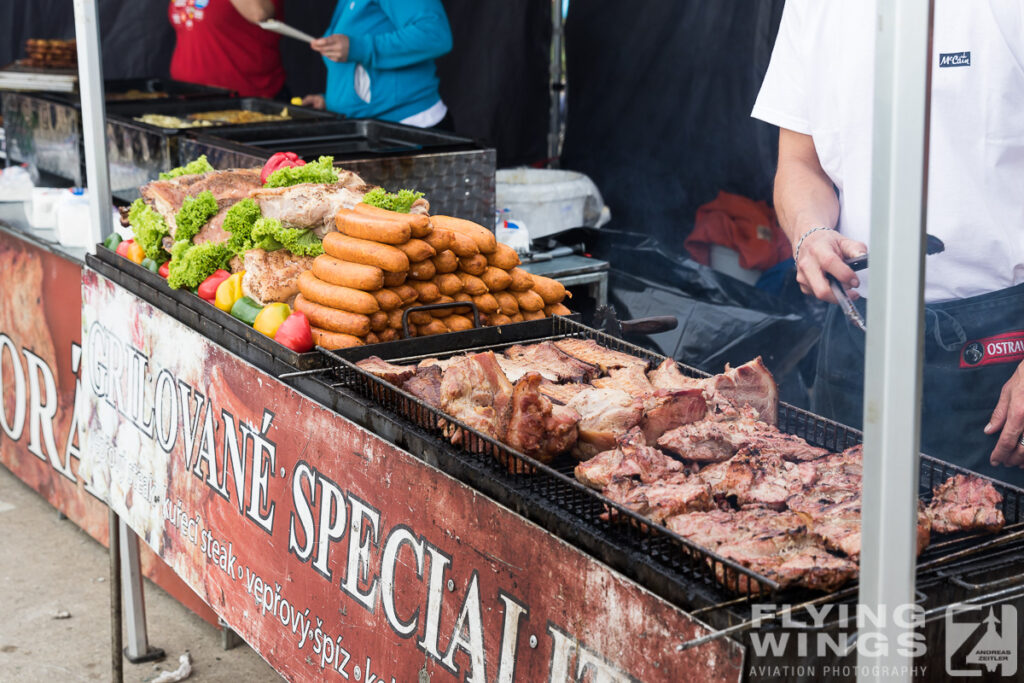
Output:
[[173, 90], [129, 110]]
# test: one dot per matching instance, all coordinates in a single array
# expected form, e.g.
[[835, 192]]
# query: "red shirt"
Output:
[[217, 46]]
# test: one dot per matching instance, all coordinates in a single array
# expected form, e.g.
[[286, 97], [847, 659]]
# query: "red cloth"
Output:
[[742, 224], [217, 46]]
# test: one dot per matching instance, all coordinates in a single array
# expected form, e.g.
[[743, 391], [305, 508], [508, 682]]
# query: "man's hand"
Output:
[[314, 101], [333, 47], [1009, 417], [825, 252]]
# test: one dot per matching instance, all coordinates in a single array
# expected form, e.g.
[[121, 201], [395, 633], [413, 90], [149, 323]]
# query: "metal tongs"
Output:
[[933, 245]]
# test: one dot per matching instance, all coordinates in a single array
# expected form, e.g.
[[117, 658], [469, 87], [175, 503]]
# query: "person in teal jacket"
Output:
[[380, 61]]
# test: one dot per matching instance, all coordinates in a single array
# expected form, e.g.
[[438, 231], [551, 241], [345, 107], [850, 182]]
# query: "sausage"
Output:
[[556, 309], [533, 315], [345, 274], [365, 227], [417, 250], [356, 324], [474, 265], [496, 279], [433, 327], [448, 284], [507, 302], [333, 340], [388, 335], [517, 318], [395, 279], [371, 338], [395, 319], [383, 256], [458, 323], [424, 270], [498, 319], [439, 240], [426, 292], [521, 280], [552, 291], [407, 293], [463, 245], [504, 257], [472, 285], [446, 261], [419, 224], [529, 301], [379, 321], [443, 312], [335, 296], [387, 299], [485, 303], [484, 238], [462, 296], [420, 317]]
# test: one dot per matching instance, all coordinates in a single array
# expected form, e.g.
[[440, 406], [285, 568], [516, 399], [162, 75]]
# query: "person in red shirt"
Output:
[[220, 44]]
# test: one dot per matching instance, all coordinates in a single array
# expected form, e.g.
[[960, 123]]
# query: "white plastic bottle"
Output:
[[512, 232]]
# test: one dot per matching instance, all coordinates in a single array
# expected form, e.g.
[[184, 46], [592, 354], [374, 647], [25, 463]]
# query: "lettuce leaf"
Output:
[[200, 165], [400, 201], [270, 235], [193, 214], [192, 263], [239, 221], [319, 171], [149, 228]]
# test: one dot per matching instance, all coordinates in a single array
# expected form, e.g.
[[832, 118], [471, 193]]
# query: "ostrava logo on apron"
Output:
[[1002, 348]]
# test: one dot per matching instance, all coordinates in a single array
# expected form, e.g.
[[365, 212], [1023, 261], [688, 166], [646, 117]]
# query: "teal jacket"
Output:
[[390, 71]]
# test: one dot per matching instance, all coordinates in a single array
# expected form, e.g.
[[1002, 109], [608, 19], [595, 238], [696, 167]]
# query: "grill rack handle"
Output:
[[434, 307]]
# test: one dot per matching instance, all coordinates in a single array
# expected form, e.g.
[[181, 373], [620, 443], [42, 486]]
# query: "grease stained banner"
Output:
[[336, 555]]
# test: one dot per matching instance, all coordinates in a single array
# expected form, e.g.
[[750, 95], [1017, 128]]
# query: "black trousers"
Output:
[[971, 348]]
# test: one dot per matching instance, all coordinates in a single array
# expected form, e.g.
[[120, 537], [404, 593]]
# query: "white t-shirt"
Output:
[[820, 82]]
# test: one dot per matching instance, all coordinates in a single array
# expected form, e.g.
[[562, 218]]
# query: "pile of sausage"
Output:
[[381, 262]]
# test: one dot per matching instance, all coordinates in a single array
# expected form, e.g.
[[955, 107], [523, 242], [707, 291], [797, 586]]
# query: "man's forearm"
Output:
[[804, 195]]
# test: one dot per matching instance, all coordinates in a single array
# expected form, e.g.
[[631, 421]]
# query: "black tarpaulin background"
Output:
[[495, 80]]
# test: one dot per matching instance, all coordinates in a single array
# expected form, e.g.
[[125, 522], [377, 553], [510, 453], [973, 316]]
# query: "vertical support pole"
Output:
[[116, 660], [892, 385], [90, 86], [137, 650], [555, 122]]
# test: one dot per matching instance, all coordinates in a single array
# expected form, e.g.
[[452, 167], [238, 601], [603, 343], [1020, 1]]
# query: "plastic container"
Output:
[[726, 260], [42, 209], [549, 200], [73, 219], [512, 232]]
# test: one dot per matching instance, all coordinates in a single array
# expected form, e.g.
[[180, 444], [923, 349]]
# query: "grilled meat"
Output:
[[668, 376], [631, 458], [516, 369], [536, 427], [425, 384], [548, 359], [475, 391], [273, 275], [310, 205], [589, 351], [632, 379], [754, 478], [605, 414], [840, 472], [563, 393], [389, 372], [668, 409], [718, 440], [749, 384], [228, 188], [966, 503], [674, 495], [441, 364]]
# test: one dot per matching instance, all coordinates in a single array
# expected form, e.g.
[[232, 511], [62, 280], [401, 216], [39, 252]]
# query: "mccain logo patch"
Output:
[[1002, 348], [948, 59]]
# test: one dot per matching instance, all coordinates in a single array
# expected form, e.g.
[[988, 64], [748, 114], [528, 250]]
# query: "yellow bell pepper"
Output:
[[228, 292], [270, 318], [135, 253]]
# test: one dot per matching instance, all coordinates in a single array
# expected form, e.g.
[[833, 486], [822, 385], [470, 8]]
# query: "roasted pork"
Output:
[[389, 372], [673, 495], [718, 440], [748, 384], [310, 205], [589, 351], [631, 458], [754, 477], [273, 275], [549, 360], [425, 384], [966, 503], [605, 414], [668, 376], [228, 187], [535, 426], [475, 391]]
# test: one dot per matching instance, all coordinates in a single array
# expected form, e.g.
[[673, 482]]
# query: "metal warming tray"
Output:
[[455, 173], [151, 89], [139, 152]]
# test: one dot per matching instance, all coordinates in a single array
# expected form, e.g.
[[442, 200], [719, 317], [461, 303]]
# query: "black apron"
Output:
[[971, 348]]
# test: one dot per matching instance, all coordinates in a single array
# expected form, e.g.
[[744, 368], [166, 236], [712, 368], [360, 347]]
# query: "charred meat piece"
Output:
[[475, 391], [966, 503], [749, 384], [673, 495], [718, 440], [755, 478], [310, 205], [717, 527], [441, 365], [632, 458], [228, 187], [668, 376], [605, 414], [516, 369], [563, 393], [546, 358], [831, 516], [589, 351], [632, 379], [273, 275], [425, 384], [668, 409], [389, 372], [535, 427], [840, 472]]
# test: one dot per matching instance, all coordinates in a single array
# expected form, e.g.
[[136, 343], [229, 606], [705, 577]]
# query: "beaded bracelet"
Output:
[[800, 242]]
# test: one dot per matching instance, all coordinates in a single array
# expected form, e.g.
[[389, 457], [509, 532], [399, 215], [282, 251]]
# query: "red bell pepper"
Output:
[[294, 333], [278, 161], [208, 287], [165, 269], [131, 251]]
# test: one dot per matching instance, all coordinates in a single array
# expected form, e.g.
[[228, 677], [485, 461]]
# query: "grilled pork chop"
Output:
[[425, 384], [589, 351], [755, 478], [310, 205], [536, 427], [273, 275], [516, 369], [673, 495], [605, 414], [965, 503], [632, 379], [668, 376], [475, 391], [389, 372], [718, 440], [548, 359], [841, 472], [748, 384], [632, 458], [668, 409]]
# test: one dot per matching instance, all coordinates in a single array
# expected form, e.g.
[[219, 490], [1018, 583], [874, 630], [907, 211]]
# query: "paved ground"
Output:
[[48, 566]]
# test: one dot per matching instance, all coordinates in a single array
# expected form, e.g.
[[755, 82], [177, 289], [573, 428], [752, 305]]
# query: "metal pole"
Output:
[[555, 122], [90, 86], [116, 661], [134, 597], [892, 386]]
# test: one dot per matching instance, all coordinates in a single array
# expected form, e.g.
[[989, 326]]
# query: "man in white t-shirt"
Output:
[[819, 90]]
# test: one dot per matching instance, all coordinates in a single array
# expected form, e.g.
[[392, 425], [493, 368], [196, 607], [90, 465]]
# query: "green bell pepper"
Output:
[[113, 239], [150, 265], [246, 310]]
